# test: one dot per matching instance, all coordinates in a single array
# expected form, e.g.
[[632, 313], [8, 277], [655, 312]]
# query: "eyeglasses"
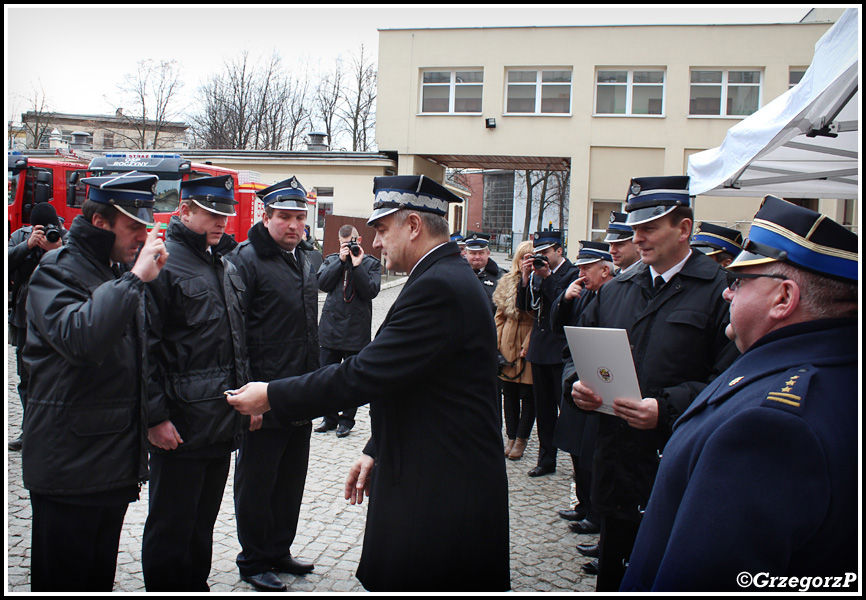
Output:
[[735, 278]]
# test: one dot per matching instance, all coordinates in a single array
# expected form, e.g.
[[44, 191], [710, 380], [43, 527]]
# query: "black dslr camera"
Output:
[[539, 261], [52, 233], [354, 247]]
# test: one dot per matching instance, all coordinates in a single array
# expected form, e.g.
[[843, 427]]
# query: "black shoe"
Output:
[[291, 565], [590, 568], [266, 582], [325, 426], [584, 527], [15, 445], [539, 471], [572, 515], [588, 550], [343, 431]]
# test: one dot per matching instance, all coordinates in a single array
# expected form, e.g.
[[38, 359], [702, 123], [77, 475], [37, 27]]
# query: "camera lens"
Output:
[[52, 235]]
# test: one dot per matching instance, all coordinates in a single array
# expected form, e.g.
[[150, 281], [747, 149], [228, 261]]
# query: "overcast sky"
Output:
[[78, 54]]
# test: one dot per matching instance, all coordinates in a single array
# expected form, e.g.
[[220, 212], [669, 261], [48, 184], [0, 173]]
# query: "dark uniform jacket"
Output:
[[347, 315], [280, 307], [84, 428], [545, 346], [489, 276], [22, 262], [678, 345], [761, 473], [439, 494], [198, 344]]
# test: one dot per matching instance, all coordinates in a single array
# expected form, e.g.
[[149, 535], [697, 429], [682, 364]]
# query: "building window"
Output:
[[537, 92], [324, 205], [795, 74], [725, 93], [601, 210], [451, 92], [629, 92]]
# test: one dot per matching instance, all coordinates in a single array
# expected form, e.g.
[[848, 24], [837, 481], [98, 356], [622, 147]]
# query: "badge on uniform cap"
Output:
[[229, 184], [635, 189]]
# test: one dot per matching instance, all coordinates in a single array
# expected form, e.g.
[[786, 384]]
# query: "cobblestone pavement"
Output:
[[330, 531]]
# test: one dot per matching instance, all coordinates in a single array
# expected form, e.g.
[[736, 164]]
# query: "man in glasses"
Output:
[[759, 479]]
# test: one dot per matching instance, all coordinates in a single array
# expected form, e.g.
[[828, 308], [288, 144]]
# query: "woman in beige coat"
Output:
[[513, 328]]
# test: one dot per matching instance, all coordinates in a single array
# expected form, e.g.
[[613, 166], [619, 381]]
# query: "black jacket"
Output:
[[489, 276], [546, 343], [22, 262], [347, 315], [198, 343], [678, 345], [439, 493], [281, 309], [84, 428]]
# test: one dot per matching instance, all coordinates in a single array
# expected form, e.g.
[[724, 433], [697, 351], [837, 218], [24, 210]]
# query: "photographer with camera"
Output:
[[545, 275], [351, 279], [27, 246]]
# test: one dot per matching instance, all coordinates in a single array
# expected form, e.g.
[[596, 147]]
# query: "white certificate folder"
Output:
[[602, 359]]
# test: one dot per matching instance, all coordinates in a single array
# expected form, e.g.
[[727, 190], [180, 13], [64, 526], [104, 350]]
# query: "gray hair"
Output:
[[436, 225], [820, 297]]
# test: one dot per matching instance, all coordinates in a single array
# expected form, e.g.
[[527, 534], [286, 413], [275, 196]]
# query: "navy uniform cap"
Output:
[[411, 192], [131, 193], [542, 240], [458, 237], [806, 239], [652, 197], [288, 194], [214, 194], [477, 241], [713, 239], [591, 252], [617, 230]]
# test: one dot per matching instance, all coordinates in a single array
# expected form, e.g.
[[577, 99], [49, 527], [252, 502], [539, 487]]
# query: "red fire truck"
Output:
[[35, 178]]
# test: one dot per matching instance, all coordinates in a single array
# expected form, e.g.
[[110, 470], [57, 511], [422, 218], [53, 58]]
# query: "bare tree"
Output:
[[152, 92], [357, 110], [326, 101], [299, 111], [36, 121], [532, 179]]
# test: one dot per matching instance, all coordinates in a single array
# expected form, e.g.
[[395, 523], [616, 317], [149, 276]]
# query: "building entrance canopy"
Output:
[[803, 144], [505, 163]]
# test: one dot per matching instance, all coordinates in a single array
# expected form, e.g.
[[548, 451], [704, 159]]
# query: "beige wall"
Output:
[[605, 151]]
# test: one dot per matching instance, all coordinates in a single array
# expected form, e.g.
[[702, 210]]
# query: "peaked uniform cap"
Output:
[[411, 192], [806, 239], [131, 193], [712, 239], [591, 252], [288, 194], [542, 240], [214, 194], [652, 197], [618, 230], [477, 241]]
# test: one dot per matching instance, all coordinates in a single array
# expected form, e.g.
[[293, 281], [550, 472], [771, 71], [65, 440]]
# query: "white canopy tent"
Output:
[[803, 144]]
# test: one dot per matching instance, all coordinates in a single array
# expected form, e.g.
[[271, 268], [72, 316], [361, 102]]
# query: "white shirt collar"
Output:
[[668, 275], [425, 256]]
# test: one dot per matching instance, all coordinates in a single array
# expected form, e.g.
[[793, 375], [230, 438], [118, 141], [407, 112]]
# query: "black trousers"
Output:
[[270, 473], [518, 406], [73, 547], [547, 389], [330, 356], [583, 489], [185, 498], [614, 549]]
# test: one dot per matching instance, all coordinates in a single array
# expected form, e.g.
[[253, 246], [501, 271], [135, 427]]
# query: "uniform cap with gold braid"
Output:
[[591, 252], [806, 239], [712, 239]]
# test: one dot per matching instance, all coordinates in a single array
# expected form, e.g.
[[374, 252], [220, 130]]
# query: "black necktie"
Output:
[[115, 268], [290, 260], [658, 284]]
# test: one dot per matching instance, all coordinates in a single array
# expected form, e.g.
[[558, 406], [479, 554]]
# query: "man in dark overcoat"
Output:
[[352, 279], [198, 350], [434, 468], [672, 308], [478, 256], [281, 312], [759, 479], [85, 447], [544, 276]]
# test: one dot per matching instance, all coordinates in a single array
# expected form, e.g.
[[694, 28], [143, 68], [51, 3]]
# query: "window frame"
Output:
[[538, 85], [452, 86], [725, 85], [629, 94]]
